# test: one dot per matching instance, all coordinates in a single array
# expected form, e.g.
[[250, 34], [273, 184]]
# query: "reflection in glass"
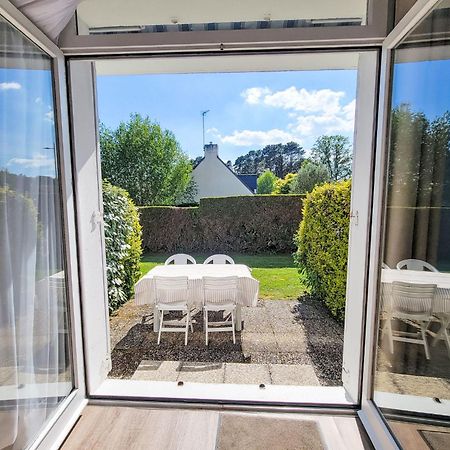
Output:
[[35, 367], [413, 359]]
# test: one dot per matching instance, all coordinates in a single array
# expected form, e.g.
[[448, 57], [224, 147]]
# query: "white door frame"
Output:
[[370, 414], [56, 429], [85, 146]]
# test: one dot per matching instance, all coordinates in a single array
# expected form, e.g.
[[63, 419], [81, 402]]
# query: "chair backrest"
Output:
[[180, 258], [384, 266], [413, 298], [415, 264], [171, 289], [219, 259], [220, 290]]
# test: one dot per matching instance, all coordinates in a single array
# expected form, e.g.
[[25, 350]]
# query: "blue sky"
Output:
[[27, 132], [247, 110], [428, 90]]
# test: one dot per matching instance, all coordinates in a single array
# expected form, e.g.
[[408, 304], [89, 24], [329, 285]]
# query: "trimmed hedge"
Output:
[[122, 242], [322, 241], [247, 224]]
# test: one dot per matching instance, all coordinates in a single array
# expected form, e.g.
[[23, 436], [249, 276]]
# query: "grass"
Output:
[[277, 275]]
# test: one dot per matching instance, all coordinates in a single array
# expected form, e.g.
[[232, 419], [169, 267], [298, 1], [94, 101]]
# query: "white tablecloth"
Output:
[[248, 286], [441, 302]]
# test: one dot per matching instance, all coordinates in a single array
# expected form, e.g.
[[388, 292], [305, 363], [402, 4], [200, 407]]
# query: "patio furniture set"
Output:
[[217, 285], [416, 293]]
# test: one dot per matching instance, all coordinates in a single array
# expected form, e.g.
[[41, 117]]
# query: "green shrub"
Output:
[[248, 224], [322, 241], [265, 184], [123, 244]]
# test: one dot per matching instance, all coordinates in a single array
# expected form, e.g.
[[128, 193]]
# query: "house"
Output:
[[214, 178]]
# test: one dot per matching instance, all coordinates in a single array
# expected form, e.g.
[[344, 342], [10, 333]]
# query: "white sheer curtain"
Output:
[[51, 16], [35, 366]]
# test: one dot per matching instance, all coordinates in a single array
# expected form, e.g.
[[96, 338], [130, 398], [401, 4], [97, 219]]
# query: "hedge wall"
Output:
[[248, 224], [322, 241], [123, 244]]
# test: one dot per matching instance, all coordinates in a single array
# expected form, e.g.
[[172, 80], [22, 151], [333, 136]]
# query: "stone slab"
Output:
[[293, 375], [236, 373]]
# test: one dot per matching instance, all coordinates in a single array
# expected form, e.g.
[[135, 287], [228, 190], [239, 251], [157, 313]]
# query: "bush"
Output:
[[322, 241], [309, 176], [123, 244], [248, 223], [265, 184], [283, 185]]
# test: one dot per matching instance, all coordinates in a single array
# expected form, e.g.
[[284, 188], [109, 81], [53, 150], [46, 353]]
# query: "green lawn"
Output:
[[277, 275]]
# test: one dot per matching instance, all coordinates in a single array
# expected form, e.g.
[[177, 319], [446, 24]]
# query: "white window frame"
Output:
[[83, 105], [370, 415], [379, 18], [56, 429]]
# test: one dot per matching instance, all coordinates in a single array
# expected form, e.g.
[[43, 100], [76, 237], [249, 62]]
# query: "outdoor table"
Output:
[[248, 287], [441, 302]]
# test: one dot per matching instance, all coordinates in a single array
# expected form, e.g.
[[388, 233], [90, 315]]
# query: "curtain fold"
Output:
[[35, 366], [50, 16]]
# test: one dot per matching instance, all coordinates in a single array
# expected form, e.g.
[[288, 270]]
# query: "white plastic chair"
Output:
[[180, 258], [415, 264], [172, 294], [220, 294], [412, 304], [219, 259], [384, 266]]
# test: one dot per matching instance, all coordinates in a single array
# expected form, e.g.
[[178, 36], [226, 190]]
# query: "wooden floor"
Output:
[[120, 427]]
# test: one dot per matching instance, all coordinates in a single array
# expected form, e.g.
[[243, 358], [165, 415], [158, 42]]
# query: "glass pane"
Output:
[[35, 363], [139, 16], [413, 360]]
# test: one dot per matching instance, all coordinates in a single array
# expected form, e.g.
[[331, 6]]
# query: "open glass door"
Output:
[[280, 340], [411, 295], [41, 375]]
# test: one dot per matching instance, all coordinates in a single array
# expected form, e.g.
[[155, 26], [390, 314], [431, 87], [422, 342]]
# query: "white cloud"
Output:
[[38, 160], [323, 100], [349, 110], [309, 113], [245, 138], [10, 86], [253, 95], [48, 116], [38, 100]]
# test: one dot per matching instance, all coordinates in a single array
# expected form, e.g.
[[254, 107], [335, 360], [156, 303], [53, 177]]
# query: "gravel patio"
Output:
[[282, 342]]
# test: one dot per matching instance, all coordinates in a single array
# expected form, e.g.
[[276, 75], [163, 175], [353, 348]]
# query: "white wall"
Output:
[[214, 179]]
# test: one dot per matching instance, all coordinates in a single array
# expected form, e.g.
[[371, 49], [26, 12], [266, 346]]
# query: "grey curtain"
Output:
[[51, 16]]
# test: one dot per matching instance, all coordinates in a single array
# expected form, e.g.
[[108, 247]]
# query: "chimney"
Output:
[[211, 150]]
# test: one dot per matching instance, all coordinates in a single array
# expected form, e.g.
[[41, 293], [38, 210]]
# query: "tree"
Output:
[[309, 176], [283, 185], [334, 152], [265, 184], [145, 160], [281, 159]]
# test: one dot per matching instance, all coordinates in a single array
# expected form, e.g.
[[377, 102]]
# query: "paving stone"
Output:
[[199, 372], [258, 342], [289, 374], [288, 342], [236, 373], [157, 371]]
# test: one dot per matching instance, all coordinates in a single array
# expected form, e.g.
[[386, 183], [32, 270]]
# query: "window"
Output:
[[413, 354], [35, 363], [101, 17]]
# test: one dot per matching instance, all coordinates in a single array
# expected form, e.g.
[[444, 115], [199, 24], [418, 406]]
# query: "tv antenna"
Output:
[[203, 124]]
